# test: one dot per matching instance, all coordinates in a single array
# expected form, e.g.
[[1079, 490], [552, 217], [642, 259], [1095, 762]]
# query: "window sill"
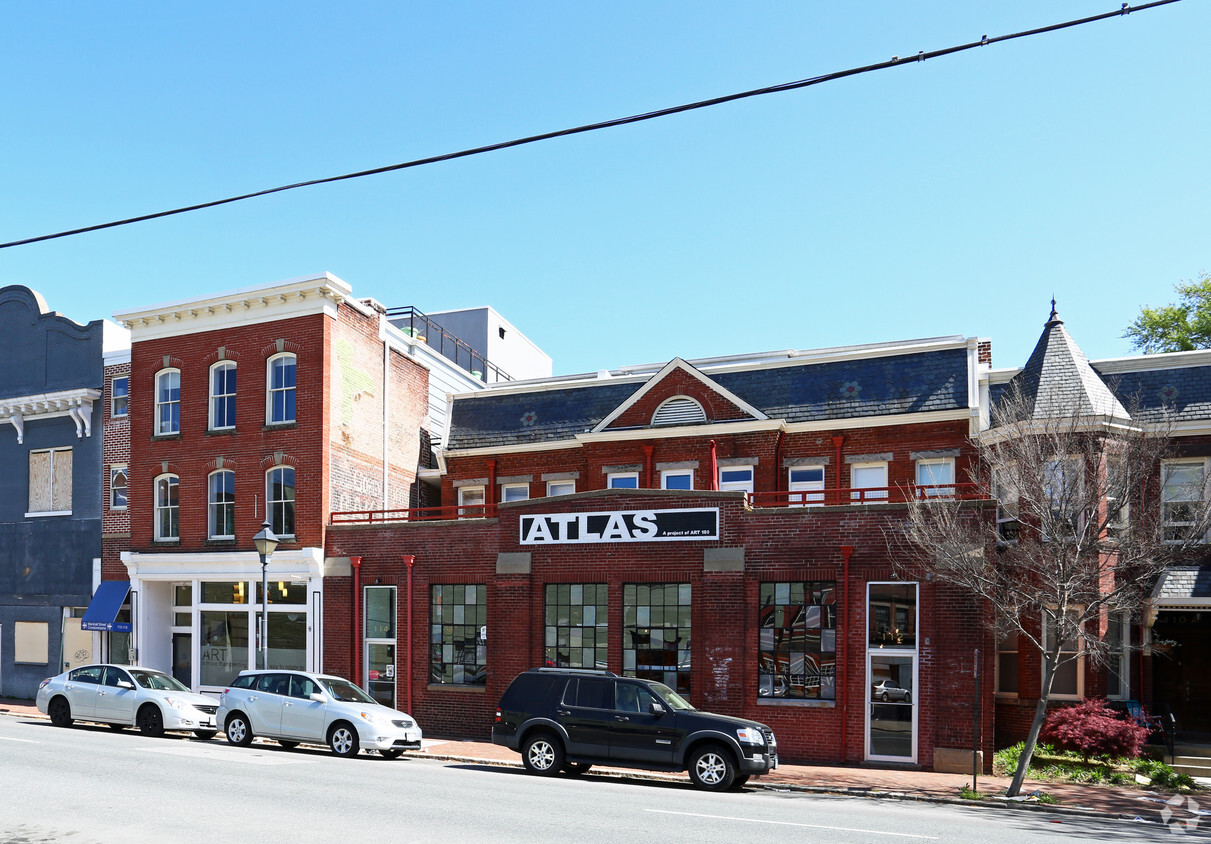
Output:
[[225, 541], [797, 703], [456, 687], [159, 437], [173, 543], [121, 509], [280, 426], [220, 432], [42, 513]]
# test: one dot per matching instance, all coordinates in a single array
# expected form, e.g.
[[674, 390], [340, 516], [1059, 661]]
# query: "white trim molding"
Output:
[[78, 404]]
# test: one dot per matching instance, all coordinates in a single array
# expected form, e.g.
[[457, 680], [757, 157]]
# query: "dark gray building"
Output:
[[51, 382]]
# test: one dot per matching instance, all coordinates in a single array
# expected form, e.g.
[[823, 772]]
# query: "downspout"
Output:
[[356, 562], [714, 467], [837, 443], [647, 466], [490, 493], [842, 663], [778, 462], [386, 421], [409, 560]]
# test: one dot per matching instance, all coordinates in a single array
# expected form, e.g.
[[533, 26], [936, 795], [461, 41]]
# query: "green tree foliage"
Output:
[[1176, 328]]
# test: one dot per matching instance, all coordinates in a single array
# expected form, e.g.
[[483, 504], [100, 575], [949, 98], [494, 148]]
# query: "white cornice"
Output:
[[879, 421], [217, 565], [1145, 363], [247, 306], [665, 432], [78, 404]]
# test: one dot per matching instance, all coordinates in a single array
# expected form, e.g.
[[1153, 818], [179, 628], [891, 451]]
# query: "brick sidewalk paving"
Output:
[[893, 783]]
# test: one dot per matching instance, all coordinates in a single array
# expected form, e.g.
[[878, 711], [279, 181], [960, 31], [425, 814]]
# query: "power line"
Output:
[[895, 61]]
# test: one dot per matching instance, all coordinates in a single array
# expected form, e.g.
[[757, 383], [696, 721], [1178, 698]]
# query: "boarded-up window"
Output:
[[31, 642], [50, 481]]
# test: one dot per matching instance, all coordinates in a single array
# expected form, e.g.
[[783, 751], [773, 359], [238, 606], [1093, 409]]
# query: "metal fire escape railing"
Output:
[[416, 324]]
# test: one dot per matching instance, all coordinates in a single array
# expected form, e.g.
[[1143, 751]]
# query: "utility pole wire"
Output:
[[895, 61]]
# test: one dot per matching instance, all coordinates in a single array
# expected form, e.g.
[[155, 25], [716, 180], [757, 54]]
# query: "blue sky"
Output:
[[953, 196]]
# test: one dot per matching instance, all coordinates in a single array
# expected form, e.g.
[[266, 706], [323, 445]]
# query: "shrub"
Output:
[[1092, 728]]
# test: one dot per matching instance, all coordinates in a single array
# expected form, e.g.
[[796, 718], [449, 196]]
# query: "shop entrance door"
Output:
[[380, 672], [182, 658], [891, 707], [1181, 669]]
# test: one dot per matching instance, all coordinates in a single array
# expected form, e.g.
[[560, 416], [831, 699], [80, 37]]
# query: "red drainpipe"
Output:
[[490, 495], [778, 463], [409, 560], [647, 466], [842, 663], [837, 442], [357, 621], [714, 467]]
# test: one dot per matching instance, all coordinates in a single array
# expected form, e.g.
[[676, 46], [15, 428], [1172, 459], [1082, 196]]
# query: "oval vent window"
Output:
[[679, 411]]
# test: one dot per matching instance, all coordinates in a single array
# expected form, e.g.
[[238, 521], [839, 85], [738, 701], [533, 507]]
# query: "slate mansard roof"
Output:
[[880, 384]]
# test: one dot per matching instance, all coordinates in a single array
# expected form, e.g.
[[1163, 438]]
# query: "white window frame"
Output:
[[622, 476], [881, 489], [52, 511], [472, 496], [1118, 660], [212, 505], [216, 397], [160, 507], [798, 488], [928, 487], [272, 392], [741, 485], [161, 428], [1075, 475], [114, 469], [666, 474], [514, 492], [114, 395], [1167, 467], [1008, 499], [1080, 666], [564, 487], [271, 502]]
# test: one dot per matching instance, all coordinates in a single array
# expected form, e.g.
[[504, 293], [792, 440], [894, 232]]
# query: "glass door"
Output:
[[891, 708], [182, 658]]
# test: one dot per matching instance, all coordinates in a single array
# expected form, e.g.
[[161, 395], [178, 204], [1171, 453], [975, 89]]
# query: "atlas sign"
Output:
[[695, 525]]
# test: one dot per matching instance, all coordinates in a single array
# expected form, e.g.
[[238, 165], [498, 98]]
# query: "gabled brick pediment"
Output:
[[669, 398]]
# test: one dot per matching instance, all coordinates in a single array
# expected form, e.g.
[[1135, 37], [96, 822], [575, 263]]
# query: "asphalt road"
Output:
[[91, 784]]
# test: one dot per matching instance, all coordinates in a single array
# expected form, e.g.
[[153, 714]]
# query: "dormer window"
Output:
[[679, 410]]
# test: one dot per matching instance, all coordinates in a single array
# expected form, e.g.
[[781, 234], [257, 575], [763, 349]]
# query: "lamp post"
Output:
[[265, 541]]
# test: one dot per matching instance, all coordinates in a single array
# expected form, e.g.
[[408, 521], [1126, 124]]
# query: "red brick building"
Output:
[[720, 526]]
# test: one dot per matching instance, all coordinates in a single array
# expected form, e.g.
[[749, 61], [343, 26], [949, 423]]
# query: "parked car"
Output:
[[124, 696], [293, 707], [890, 690], [563, 719]]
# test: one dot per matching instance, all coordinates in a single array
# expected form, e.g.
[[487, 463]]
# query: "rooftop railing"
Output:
[[780, 498], [415, 324]]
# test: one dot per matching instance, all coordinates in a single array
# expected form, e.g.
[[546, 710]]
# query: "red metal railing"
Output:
[[781, 498]]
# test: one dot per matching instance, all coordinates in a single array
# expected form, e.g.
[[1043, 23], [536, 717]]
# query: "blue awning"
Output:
[[103, 608]]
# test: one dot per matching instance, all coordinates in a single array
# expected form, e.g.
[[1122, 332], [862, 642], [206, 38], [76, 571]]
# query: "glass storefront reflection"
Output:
[[224, 646]]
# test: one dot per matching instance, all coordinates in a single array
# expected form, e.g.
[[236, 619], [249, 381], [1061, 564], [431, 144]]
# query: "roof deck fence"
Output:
[[779, 498], [419, 326]]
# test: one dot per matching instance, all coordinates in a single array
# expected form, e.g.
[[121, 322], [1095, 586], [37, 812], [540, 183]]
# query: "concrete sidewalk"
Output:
[[888, 783]]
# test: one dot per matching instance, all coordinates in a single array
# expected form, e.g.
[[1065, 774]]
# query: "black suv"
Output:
[[568, 719]]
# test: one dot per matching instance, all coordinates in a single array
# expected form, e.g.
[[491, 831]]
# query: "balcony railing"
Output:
[[781, 498], [415, 324]]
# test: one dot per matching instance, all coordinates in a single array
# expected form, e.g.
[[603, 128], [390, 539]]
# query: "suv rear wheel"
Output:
[[542, 754], [711, 767]]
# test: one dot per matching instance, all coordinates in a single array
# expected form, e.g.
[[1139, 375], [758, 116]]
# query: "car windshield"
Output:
[[344, 690], [159, 682], [674, 700]]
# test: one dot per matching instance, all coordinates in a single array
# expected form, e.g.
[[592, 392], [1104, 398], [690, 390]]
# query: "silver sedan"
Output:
[[126, 695]]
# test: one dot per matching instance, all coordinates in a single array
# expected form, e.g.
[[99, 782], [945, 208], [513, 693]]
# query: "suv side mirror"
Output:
[[656, 709], [318, 697]]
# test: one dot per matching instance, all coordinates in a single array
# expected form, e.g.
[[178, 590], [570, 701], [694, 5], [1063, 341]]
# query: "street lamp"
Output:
[[265, 541]]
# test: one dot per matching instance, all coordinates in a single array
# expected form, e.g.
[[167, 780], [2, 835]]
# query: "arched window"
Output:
[[679, 410], [220, 507], [279, 499], [280, 395], [222, 395], [167, 509], [168, 401]]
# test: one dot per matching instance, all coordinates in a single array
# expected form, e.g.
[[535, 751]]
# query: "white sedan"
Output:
[[126, 695], [292, 707]]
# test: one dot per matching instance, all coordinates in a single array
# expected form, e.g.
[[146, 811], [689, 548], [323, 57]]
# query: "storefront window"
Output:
[[458, 634], [288, 640], [225, 593], [224, 647], [576, 629], [797, 647], [284, 592], [656, 633]]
